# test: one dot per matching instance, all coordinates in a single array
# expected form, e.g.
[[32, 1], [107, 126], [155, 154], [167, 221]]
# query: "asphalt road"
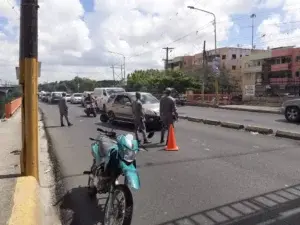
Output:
[[217, 175], [268, 120]]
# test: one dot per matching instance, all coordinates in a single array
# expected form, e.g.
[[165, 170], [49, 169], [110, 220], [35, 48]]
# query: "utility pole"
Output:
[[204, 61], [113, 71], [167, 58], [252, 17], [122, 72], [28, 63]]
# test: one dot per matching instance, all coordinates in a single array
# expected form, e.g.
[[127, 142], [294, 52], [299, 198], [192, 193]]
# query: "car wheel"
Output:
[[292, 114], [103, 118]]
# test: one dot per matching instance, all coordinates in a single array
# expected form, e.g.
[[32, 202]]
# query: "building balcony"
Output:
[[281, 67], [253, 69], [284, 81]]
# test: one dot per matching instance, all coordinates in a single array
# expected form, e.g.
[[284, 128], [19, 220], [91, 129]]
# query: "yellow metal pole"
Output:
[[23, 151], [31, 117], [29, 71]]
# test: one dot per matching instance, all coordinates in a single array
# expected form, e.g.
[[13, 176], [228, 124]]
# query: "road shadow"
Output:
[[285, 121], [279, 207], [8, 176], [53, 126], [78, 208], [117, 126]]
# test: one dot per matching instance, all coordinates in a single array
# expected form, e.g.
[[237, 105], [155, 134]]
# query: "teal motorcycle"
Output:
[[114, 156]]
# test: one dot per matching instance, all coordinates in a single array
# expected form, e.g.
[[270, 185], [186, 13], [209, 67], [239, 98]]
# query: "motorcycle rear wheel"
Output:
[[113, 213]]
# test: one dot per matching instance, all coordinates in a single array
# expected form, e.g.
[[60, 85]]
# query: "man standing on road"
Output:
[[139, 118], [168, 113], [63, 110]]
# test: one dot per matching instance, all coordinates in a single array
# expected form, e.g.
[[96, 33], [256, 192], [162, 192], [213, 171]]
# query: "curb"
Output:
[[251, 110], [232, 125], [193, 119], [212, 122], [260, 130], [237, 126], [236, 109], [286, 134], [27, 208]]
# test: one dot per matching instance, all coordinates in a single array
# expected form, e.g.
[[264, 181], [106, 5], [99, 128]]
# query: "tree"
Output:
[[156, 81], [77, 84]]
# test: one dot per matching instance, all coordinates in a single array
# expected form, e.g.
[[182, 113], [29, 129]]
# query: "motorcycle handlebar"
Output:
[[110, 134]]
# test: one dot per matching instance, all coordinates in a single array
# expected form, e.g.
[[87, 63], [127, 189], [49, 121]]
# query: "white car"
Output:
[[76, 98], [103, 94], [68, 97]]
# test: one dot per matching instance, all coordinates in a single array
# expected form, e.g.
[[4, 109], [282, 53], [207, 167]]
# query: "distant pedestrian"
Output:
[[63, 110], [168, 113], [139, 118]]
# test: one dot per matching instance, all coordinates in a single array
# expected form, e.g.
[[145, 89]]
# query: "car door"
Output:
[[126, 108], [117, 106]]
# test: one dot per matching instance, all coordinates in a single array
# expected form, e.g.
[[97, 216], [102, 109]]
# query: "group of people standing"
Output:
[[167, 111]]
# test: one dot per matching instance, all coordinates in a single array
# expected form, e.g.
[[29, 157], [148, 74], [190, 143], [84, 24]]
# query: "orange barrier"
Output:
[[11, 107]]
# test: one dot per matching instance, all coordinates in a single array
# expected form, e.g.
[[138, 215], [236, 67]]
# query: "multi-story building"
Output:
[[180, 62], [230, 59], [275, 71]]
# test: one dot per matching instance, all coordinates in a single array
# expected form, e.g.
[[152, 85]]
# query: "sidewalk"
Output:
[[10, 142]]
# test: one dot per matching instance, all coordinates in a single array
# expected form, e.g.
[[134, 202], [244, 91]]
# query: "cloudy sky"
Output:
[[76, 37]]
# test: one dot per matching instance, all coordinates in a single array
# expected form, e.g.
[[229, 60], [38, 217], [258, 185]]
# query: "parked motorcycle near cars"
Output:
[[90, 108], [114, 156]]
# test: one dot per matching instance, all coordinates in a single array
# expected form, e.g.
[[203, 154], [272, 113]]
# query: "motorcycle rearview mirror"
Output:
[[92, 139], [99, 129]]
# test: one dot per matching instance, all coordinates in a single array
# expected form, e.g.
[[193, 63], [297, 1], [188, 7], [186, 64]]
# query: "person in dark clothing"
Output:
[[168, 113], [89, 98], [63, 110], [139, 118]]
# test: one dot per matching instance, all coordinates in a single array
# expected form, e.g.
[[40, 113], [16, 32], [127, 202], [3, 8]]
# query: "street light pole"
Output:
[[215, 32], [124, 58]]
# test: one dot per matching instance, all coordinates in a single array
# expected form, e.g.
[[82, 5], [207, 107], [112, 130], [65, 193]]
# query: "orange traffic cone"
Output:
[[171, 145]]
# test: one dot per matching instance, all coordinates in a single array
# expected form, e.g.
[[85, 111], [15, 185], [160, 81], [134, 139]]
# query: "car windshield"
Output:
[[77, 95], [68, 95], [146, 98], [57, 94], [114, 91]]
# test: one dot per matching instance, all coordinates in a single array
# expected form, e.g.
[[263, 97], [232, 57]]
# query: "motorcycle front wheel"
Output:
[[119, 207]]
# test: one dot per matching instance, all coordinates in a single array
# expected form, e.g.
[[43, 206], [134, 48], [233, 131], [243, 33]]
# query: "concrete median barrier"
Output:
[[212, 122], [286, 134], [194, 119], [261, 130], [27, 208], [232, 125]]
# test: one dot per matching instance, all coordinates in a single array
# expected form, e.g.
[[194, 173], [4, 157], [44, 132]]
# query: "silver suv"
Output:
[[119, 108], [291, 110]]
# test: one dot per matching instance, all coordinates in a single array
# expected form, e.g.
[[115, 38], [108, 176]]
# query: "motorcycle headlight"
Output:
[[129, 155]]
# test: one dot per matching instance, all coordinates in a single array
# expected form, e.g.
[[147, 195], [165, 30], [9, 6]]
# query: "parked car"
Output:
[[119, 108], [45, 97], [291, 110], [76, 98], [84, 95], [54, 97], [68, 97], [102, 95]]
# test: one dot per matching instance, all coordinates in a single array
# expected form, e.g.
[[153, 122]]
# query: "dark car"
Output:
[[119, 108]]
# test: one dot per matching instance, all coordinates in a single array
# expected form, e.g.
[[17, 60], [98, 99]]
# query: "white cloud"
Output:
[[282, 29], [72, 42]]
